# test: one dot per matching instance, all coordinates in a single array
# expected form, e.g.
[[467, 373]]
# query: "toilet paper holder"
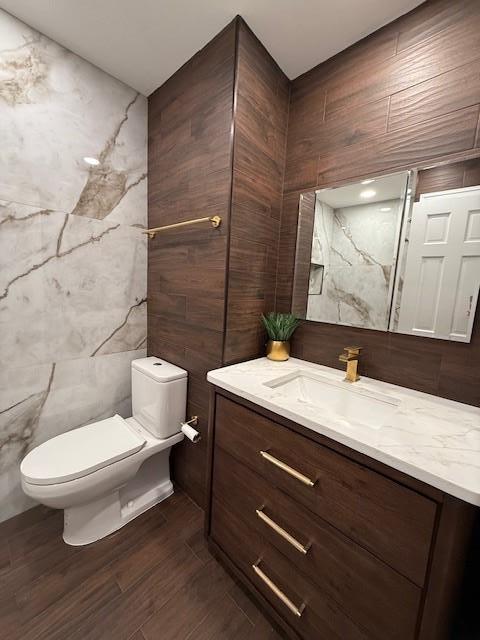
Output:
[[188, 430]]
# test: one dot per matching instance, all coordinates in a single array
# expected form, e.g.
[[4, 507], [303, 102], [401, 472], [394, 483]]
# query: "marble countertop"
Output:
[[429, 438]]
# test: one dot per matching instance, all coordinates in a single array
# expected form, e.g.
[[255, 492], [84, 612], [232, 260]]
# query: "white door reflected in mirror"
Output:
[[439, 288]]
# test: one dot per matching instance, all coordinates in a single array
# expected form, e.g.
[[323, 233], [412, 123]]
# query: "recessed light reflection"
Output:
[[369, 181], [368, 193], [91, 161], [385, 208]]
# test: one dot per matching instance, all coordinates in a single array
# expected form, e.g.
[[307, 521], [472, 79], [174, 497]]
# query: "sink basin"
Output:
[[339, 400]]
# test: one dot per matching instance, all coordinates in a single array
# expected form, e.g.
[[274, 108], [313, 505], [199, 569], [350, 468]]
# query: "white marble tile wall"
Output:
[[357, 246], [73, 260]]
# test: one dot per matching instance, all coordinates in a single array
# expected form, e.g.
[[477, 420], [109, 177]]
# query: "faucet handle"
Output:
[[353, 351]]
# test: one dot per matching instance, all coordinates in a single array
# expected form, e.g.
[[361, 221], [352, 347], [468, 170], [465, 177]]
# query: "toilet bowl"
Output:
[[107, 473]]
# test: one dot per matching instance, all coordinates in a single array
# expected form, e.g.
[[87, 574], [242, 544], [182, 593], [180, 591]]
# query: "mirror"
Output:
[[353, 238], [399, 252]]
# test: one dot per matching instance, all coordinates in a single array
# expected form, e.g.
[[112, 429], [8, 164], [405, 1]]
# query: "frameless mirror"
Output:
[[351, 234], [399, 252]]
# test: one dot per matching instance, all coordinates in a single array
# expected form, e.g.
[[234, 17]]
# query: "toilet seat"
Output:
[[81, 451]]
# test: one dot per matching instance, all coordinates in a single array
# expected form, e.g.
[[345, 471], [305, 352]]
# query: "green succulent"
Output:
[[280, 326]]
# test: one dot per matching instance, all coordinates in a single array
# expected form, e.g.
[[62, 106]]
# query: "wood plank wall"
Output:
[[450, 176], [217, 138], [261, 117], [190, 153], [408, 94]]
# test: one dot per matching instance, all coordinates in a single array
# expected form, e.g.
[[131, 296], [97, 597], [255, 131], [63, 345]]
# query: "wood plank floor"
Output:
[[152, 580]]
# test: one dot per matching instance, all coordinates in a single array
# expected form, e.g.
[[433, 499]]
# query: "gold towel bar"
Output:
[[215, 221]]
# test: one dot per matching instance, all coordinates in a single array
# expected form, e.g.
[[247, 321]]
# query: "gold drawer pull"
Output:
[[291, 472], [281, 532], [278, 592]]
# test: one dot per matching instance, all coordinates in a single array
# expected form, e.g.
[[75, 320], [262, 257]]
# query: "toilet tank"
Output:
[[159, 396]]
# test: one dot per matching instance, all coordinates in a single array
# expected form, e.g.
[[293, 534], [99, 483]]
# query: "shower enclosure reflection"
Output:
[[355, 233]]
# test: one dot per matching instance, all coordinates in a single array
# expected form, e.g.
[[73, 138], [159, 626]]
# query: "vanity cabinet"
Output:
[[333, 544]]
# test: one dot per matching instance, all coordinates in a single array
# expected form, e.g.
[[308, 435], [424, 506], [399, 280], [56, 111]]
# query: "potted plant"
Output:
[[279, 328]]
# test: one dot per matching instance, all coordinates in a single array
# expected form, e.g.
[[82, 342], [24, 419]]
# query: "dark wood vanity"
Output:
[[333, 544]]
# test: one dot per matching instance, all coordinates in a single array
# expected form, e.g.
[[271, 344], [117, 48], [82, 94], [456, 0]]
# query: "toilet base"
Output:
[[87, 523]]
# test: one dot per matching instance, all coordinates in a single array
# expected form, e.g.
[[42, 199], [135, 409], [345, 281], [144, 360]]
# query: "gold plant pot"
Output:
[[278, 350]]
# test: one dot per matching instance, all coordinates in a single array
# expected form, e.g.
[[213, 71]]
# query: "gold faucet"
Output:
[[351, 356]]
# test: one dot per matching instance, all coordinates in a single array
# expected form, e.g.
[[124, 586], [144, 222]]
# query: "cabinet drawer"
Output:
[[319, 617], [391, 521], [369, 592]]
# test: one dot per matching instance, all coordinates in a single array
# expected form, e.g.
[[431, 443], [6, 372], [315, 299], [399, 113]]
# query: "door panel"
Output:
[[442, 272]]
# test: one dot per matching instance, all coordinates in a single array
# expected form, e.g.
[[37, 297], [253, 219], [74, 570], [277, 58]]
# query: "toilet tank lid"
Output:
[[158, 369]]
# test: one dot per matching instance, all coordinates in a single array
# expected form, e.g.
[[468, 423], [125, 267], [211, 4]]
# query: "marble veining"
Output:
[[73, 259], [432, 439], [356, 247], [353, 296], [69, 287], [22, 69], [107, 185], [55, 109]]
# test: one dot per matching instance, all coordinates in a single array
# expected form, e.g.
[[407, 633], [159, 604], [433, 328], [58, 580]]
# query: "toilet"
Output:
[[106, 473]]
